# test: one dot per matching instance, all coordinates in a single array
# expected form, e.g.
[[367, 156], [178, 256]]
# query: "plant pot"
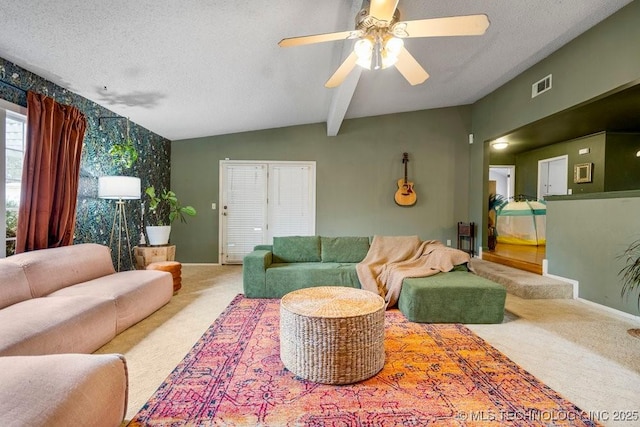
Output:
[[158, 234], [491, 239], [491, 243]]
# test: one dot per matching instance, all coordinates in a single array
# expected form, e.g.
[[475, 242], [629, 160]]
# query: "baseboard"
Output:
[[200, 263], [612, 310], [576, 284]]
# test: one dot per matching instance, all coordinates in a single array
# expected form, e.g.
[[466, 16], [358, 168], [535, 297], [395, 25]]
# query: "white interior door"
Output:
[[552, 176], [260, 200], [505, 178]]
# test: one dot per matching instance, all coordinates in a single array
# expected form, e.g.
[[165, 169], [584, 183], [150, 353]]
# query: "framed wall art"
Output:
[[582, 172]]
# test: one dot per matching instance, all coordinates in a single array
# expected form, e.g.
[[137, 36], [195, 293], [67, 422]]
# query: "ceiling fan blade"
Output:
[[471, 25], [383, 10], [410, 68], [319, 38], [342, 72]]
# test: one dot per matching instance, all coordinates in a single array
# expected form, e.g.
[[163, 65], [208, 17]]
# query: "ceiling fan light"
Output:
[[393, 46], [364, 62], [363, 48], [388, 60]]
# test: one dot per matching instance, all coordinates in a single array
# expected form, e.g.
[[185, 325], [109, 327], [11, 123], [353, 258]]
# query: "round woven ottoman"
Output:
[[332, 334], [173, 267]]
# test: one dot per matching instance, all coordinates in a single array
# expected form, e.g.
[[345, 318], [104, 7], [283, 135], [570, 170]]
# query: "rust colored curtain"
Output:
[[47, 213]]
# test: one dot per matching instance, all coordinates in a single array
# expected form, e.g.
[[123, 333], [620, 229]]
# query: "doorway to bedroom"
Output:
[[528, 257]]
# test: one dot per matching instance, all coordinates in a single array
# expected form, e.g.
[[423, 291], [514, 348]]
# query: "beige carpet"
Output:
[[522, 283], [581, 351]]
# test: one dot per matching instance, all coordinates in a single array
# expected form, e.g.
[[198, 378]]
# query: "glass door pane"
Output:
[[14, 142]]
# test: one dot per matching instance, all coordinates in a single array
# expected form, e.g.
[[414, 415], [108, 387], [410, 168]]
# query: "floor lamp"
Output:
[[119, 188]]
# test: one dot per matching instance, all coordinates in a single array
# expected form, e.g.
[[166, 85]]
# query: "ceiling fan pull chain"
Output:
[[377, 53]]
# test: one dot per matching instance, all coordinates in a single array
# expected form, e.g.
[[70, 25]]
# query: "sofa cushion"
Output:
[[137, 293], [63, 390], [284, 278], [296, 249], [344, 249], [14, 286], [454, 297], [74, 324], [254, 266], [48, 270], [263, 248]]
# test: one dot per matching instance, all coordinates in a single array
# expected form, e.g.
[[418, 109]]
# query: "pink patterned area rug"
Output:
[[434, 374]]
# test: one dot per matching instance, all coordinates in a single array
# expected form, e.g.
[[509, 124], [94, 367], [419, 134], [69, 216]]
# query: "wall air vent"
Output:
[[541, 86]]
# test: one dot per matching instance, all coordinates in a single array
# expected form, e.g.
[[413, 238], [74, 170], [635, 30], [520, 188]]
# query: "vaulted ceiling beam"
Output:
[[342, 95]]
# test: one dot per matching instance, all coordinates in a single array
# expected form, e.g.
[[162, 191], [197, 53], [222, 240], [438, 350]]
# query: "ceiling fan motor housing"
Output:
[[365, 22]]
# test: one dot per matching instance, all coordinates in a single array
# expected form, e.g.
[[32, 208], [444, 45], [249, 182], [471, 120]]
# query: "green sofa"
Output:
[[454, 297], [296, 262]]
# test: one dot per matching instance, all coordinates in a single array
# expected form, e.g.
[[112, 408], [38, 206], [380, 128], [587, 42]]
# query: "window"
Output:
[[12, 146]]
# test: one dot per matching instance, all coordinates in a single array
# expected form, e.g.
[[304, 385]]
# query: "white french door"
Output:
[[552, 176], [291, 203], [243, 204], [260, 200]]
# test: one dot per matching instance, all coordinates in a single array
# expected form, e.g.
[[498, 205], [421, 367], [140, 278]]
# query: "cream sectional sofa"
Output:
[[63, 390], [69, 300]]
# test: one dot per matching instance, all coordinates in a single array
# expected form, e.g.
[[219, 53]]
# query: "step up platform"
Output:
[[521, 283]]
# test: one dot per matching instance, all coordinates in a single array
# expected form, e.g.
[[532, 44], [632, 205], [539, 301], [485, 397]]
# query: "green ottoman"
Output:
[[453, 297]]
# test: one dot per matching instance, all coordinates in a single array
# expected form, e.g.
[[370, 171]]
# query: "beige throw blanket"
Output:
[[393, 258]]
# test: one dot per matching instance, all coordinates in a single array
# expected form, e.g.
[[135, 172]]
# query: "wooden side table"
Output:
[[173, 267], [467, 233], [145, 255]]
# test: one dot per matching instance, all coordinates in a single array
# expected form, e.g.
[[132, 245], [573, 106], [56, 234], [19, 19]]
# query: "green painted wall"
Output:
[[622, 166], [598, 61], [356, 174], [585, 239], [527, 164], [613, 156]]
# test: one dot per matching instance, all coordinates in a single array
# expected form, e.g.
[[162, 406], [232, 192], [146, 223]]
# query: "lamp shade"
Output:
[[118, 187]]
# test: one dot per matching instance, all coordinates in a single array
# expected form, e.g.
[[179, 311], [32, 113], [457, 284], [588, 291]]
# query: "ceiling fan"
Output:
[[380, 32]]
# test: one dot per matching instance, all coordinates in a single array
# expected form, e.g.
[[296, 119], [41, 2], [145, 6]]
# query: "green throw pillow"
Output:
[[296, 249], [344, 249]]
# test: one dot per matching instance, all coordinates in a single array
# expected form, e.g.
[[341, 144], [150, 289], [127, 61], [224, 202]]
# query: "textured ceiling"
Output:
[[192, 68]]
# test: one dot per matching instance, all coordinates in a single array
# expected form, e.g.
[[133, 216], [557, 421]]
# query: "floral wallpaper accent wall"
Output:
[[95, 216]]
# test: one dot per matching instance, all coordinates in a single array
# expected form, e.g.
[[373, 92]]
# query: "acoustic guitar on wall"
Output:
[[405, 196]]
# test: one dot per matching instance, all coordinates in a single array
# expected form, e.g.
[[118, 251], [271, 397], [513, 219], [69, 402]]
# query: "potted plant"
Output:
[[164, 208], [631, 276], [496, 201], [124, 154]]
